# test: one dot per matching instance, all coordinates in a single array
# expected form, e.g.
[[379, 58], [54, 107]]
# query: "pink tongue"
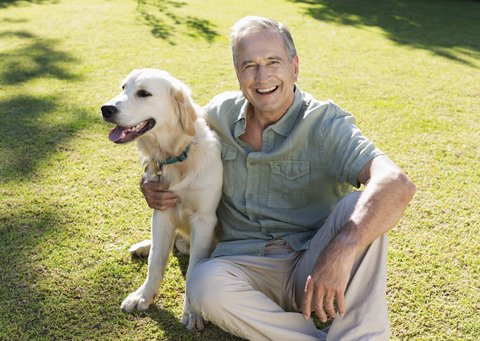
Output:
[[116, 133]]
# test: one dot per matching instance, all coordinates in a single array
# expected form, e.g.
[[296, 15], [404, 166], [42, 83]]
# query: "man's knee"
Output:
[[345, 207], [205, 287], [350, 200]]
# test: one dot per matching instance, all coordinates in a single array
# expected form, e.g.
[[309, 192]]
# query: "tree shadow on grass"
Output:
[[37, 58], [31, 132], [34, 126], [438, 26], [23, 228], [165, 23], [7, 3]]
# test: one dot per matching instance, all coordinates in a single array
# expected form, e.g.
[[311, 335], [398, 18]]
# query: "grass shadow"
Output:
[[7, 3], [36, 58], [53, 285], [23, 229], [32, 131], [165, 23], [34, 126], [437, 26], [174, 330]]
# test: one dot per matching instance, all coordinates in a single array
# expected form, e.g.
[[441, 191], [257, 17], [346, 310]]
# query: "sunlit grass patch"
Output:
[[69, 201]]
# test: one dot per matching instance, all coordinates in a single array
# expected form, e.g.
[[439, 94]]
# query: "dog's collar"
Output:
[[175, 159], [171, 160]]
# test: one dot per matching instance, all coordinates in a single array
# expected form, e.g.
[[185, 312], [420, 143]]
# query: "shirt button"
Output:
[[255, 218], [250, 195], [290, 174], [252, 163]]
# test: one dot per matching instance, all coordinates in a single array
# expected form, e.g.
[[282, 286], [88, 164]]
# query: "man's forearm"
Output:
[[381, 205]]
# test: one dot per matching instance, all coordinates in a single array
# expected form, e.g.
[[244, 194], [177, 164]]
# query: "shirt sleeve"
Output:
[[346, 150], [220, 108]]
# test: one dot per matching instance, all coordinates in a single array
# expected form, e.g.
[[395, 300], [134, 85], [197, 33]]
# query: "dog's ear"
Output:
[[184, 109]]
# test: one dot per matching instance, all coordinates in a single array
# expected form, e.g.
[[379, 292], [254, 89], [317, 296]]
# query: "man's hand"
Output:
[[328, 281], [157, 195]]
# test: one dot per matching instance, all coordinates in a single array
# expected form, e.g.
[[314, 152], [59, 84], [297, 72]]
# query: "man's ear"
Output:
[[238, 79], [296, 66], [184, 109]]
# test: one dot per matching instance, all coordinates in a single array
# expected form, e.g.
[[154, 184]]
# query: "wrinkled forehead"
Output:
[[259, 34], [261, 44]]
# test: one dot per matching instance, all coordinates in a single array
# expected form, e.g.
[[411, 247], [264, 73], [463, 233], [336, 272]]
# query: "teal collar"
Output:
[[159, 171], [175, 159]]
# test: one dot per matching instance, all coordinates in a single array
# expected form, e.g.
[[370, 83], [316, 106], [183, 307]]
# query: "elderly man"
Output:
[[294, 236]]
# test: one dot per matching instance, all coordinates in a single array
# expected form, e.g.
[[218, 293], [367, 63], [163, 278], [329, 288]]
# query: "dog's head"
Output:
[[150, 100]]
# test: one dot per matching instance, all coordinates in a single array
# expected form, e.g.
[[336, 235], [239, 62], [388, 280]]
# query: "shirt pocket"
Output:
[[288, 184], [229, 154]]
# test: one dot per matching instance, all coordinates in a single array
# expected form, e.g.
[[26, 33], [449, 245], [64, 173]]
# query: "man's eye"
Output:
[[143, 93]]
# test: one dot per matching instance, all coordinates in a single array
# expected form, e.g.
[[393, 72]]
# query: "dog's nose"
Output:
[[108, 111]]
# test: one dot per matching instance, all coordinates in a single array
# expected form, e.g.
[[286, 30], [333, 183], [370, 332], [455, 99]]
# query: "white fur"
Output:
[[197, 180]]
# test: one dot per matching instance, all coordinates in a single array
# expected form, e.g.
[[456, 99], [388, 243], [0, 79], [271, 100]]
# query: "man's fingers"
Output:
[[307, 299], [318, 305], [323, 301], [341, 304], [158, 196], [329, 306], [162, 205], [154, 186]]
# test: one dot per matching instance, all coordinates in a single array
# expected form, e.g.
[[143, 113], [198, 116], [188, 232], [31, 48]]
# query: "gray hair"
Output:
[[251, 24]]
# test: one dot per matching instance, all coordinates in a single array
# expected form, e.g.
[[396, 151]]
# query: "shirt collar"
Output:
[[241, 121], [283, 126]]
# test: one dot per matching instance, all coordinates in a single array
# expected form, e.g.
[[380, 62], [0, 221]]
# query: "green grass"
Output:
[[69, 200]]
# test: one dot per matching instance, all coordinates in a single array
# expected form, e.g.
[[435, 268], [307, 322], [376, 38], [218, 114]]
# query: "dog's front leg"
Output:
[[201, 237], [163, 233]]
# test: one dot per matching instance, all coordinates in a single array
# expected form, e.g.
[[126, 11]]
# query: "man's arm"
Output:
[[387, 194]]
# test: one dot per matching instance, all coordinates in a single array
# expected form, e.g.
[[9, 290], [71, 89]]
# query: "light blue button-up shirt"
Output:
[[310, 159]]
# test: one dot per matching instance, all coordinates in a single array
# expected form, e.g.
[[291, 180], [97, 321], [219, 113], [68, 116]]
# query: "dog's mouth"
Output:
[[127, 134]]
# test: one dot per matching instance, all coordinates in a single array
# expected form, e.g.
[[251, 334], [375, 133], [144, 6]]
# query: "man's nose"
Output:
[[262, 75]]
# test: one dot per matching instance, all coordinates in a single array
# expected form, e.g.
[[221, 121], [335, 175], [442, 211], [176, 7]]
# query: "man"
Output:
[[293, 236]]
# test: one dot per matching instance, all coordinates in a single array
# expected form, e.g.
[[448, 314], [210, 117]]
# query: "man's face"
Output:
[[265, 73]]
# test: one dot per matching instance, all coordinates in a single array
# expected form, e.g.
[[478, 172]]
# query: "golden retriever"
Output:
[[179, 150]]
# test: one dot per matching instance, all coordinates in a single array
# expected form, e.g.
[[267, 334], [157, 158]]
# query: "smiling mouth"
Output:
[[267, 91], [127, 134]]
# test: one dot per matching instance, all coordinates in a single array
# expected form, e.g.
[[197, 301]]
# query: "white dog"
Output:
[[179, 150]]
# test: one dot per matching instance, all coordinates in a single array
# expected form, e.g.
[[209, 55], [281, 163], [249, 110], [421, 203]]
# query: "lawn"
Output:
[[70, 206]]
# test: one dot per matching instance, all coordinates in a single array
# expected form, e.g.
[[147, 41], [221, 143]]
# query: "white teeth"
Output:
[[267, 90], [137, 127]]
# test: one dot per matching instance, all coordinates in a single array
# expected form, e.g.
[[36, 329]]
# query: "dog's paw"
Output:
[[192, 320], [138, 300], [182, 244], [141, 249]]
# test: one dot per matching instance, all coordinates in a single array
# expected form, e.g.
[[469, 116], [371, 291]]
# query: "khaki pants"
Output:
[[260, 298]]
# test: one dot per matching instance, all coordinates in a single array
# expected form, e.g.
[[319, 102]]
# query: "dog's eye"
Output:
[[143, 93]]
